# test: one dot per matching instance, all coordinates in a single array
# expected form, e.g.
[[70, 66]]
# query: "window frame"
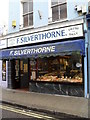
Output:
[[28, 13], [59, 6]]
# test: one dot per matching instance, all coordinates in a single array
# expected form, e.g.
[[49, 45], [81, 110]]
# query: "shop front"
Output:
[[47, 61], [52, 68]]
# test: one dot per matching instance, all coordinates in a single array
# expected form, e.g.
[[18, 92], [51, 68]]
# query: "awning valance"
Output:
[[45, 50]]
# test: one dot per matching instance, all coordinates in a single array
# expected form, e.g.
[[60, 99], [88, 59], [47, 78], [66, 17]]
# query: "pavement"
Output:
[[35, 101]]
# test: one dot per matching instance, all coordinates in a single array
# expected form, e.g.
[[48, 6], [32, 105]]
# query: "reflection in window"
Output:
[[30, 19], [55, 13], [25, 7], [25, 17], [63, 13], [28, 13]]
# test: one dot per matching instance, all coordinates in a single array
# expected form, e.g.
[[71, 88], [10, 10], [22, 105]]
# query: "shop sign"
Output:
[[55, 34], [45, 49], [3, 44], [32, 51]]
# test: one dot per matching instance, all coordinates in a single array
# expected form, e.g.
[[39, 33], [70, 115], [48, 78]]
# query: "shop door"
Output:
[[24, 79], [15, 74]]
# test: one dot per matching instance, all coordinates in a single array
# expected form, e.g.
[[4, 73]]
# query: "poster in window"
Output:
[[33, 75]]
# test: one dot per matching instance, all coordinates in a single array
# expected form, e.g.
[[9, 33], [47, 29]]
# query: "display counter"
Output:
[[61, 75]]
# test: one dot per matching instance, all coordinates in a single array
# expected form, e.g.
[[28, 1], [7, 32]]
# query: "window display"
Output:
[[60, 69]]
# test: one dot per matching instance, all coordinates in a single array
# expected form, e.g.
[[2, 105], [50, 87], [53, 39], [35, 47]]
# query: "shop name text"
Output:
[[32, 51], [49, 35]]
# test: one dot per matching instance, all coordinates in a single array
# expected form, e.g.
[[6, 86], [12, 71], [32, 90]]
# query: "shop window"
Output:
[[28, 13], [59, 9], [3, 70], [33, 69], [59, 69]]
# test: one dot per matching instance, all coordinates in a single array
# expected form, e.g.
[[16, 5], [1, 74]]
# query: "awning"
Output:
[[45, 50]]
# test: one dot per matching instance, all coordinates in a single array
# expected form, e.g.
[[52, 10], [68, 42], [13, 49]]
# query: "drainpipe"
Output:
[[89, 62], [86, 92], [88, 34]]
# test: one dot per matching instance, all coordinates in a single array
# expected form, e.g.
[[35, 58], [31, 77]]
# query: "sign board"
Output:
[[3, 44], [55, 34], [58, 48]]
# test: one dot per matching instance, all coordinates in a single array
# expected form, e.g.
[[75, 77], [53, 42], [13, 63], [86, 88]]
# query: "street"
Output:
[[25, 105], [14, 112]]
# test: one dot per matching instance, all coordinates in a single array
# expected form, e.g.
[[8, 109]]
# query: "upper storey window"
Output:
[[28, 13], [59, 9]]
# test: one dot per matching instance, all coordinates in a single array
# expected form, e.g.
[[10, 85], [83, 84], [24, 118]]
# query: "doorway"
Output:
[[24, 74], [15, 77], [19, 74]]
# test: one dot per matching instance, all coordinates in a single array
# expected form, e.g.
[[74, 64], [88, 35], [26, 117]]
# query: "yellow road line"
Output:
[[31, 114]]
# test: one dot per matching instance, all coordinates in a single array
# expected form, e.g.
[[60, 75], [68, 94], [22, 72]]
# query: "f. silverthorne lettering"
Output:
[[42, 36], [33, 51]]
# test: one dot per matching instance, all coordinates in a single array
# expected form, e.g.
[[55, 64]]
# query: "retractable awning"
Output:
[[45, 50]]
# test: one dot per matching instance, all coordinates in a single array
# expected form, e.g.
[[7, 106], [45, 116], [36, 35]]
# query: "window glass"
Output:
[[31, 19], [54, 2], [59, 69], [55, 13], [63, 11], [61, 1], [30, 6], [42, 66], [25, 20], [25, 7]]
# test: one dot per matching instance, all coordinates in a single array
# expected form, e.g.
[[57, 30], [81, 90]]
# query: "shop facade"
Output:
[[50, 61]]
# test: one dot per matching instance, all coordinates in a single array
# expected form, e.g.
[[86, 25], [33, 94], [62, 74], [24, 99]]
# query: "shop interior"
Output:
[[66, 69]]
